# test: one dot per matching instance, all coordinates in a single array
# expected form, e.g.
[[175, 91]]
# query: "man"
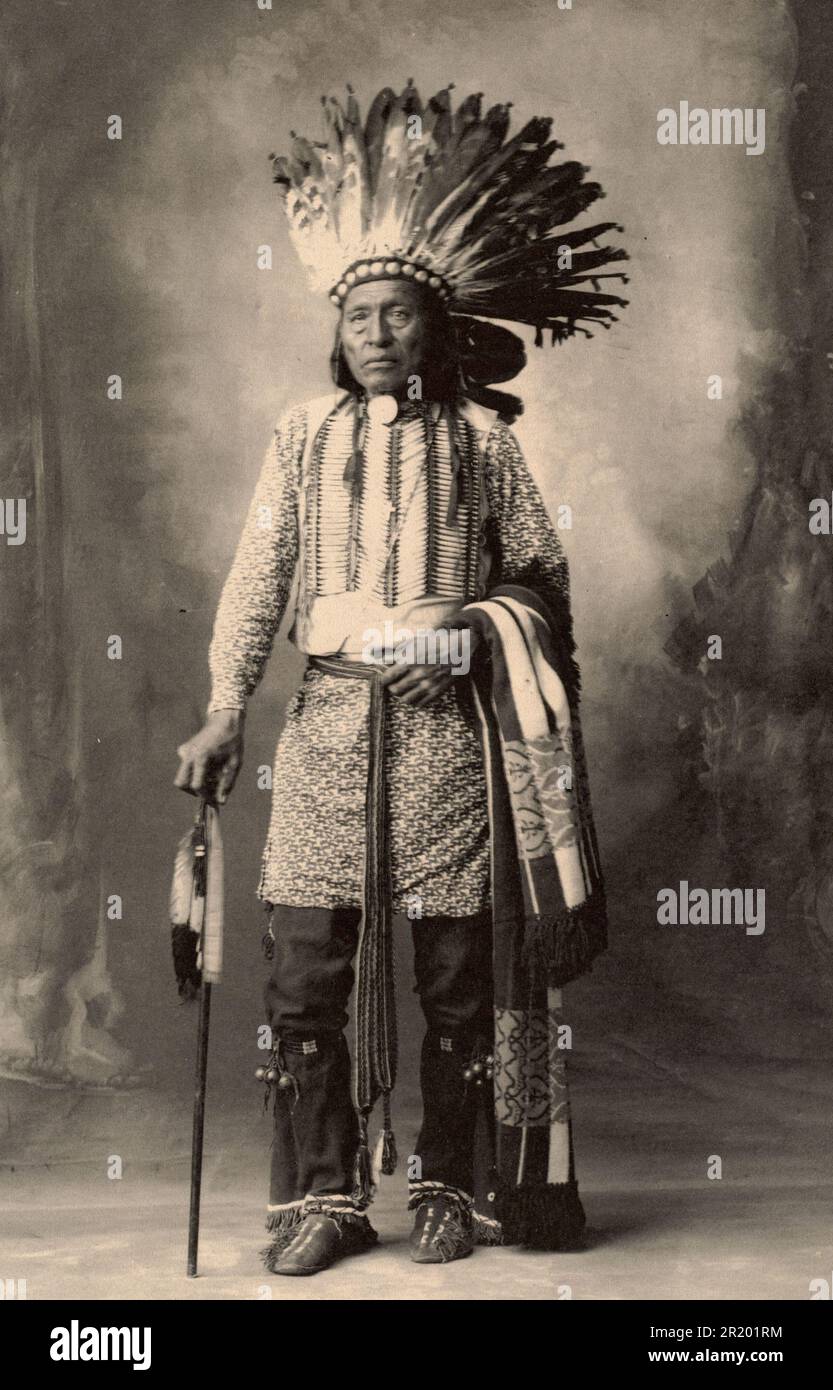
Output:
[[405, 505]]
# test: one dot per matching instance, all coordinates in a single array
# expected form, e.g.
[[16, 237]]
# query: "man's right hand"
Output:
[[211, 760]]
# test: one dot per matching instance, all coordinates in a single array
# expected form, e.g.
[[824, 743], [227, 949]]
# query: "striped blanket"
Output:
[[548, 905]]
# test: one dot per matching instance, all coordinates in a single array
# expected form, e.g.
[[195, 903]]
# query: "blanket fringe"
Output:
[[486, 1230], [563, 947], [542, 1216]]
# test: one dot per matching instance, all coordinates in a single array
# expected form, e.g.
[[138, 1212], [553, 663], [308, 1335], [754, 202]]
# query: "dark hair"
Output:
[[440, 367]]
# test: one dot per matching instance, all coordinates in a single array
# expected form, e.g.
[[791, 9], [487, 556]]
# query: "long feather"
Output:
[[386, 226], [374, 133], [183, 882], [417, 156], [466, 116], [354, 200], [332, 159], [436, 135]]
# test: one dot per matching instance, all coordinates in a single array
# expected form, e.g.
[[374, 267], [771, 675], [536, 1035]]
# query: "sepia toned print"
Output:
[[414, 701]]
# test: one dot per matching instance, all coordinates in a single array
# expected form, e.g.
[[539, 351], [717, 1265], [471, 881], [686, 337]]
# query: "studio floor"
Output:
[[658, 1226], [662, 1244]]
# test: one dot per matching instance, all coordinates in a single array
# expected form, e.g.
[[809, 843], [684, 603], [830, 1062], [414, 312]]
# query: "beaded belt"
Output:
[[376, 1042]]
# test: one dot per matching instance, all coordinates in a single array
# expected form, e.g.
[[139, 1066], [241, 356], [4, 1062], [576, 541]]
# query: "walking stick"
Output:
[[199, 1123], [197, 923]]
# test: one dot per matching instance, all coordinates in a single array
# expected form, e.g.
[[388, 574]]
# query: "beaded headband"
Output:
[[365, 271]]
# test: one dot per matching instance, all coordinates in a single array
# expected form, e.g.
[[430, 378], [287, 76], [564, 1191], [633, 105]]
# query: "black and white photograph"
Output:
[[416, 676]]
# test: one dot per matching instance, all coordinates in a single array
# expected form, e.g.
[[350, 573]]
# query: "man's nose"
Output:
[[379, 329]]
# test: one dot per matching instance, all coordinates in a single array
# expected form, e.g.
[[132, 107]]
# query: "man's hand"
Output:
[[211, 760], [419, 685]]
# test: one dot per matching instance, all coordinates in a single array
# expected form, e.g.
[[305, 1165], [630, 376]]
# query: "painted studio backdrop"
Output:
[[688, 443]]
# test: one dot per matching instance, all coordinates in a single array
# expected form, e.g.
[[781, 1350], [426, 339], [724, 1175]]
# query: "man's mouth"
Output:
[[380, 362]]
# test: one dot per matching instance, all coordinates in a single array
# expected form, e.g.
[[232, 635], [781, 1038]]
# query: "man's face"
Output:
[[383, 333]]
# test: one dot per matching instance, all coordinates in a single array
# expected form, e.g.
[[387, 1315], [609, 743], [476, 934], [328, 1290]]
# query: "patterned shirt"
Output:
[[438, 825]]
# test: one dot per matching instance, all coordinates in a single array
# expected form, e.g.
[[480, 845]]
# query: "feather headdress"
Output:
[[447, 199]]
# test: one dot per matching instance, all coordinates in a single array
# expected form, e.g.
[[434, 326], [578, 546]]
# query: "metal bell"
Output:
[[260, 1074], [271, 1075]]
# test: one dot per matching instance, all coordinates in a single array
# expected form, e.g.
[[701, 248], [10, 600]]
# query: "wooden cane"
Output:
[[199, 1124]]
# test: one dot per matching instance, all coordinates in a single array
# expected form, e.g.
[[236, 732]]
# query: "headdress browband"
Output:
[[392, 269]]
